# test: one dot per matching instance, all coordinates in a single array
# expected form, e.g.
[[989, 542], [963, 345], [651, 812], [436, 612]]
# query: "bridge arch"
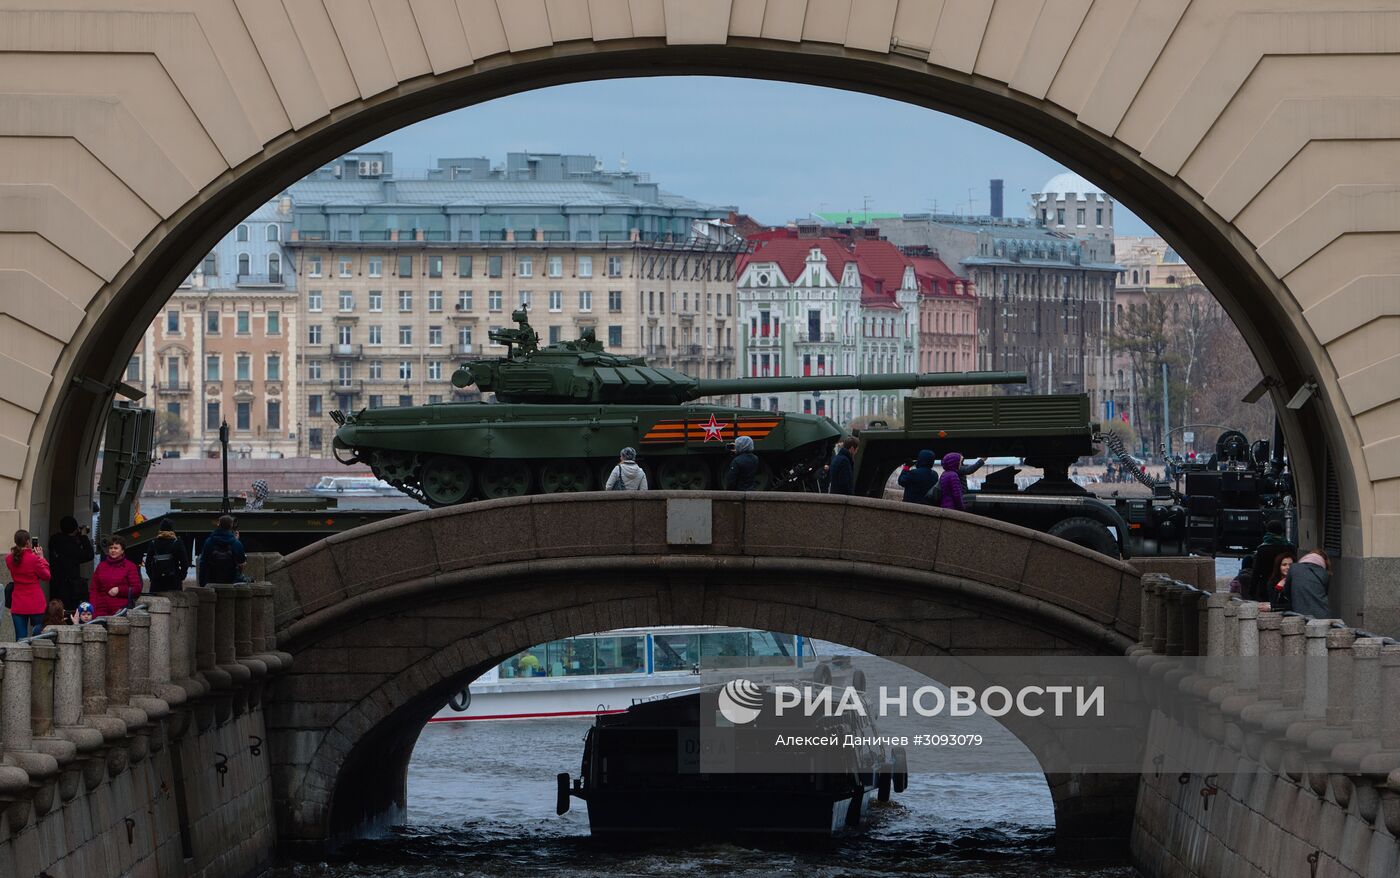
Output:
[[378, 652], [1259, 140]]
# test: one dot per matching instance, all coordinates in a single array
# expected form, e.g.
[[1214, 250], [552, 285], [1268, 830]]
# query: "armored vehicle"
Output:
[[563, 412]]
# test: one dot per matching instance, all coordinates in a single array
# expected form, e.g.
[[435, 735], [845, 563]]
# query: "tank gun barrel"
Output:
[[891, 381]]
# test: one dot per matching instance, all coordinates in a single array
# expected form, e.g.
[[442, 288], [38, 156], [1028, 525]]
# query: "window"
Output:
[[493, 266], [313, 333], [376, 401], [376, 369], [1060, 216], [347, 300], [435, 370], [464, 266], [172, 322], [376, 335], [1079, 216], [556, 300], [554, 335], [210, 265], [464, 339], [434, 301], [493, 300], [555, 266], [376, 300], [376, 266], [274, 414], [405, 400], [313, 404], [313, 438], [173, 408], [313, 300], [405, 335], [274, 232], [406, 266], [405, 301], [614, 266], [211, 368], [242, 234], [345, 263], [313, 266], [434, 336], [345, 375], [133, 369], [464, 300], [274, 323], [434, 265], [405, 370], [585, 300], [614, 301], [243, 367], [585, 266], [435, 399], [344, 334], [211, 415], [243, 416], [1098, 216], [274, 367], [525, 266], [615, 336]]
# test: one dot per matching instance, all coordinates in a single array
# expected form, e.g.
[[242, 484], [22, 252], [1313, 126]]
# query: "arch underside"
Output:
[[440, 633]]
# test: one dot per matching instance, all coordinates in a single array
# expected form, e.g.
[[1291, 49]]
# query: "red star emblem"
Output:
[[713, 430]]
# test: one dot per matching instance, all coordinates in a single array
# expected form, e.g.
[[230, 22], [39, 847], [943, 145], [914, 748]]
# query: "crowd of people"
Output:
[[1282, 579], [118, 578]]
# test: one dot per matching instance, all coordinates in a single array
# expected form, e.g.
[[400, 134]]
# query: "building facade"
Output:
[[947, 321], [223, 348], [401, 280], [814, 304]]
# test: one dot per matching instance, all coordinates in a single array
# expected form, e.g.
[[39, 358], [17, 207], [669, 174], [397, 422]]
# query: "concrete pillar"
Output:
[[1159, 616], [1390, 696], [94, 671], [16, 694], [1292, 668], [1315, 668], [1247, 614], [1270, 657], [1366, 702], [243, 622], [224, 624], [41, 704], [68, 676], [257, 623], [139, 651], [206, 654], [1340, 642], [1147, 613], [1231, 629], [1215, 624], [1175, 603], [118, 661], [1191, 605]]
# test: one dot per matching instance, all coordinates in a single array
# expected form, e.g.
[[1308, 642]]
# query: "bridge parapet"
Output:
[[1298, 717], [85, 711]]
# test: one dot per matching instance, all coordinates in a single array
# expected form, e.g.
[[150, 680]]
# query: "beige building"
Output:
[[387, 324], [216, 355]]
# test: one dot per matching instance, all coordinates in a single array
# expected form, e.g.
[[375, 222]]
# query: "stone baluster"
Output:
[[142, 686], [163, 647], [243, 622], [1293, 667], [269, 604], [1349, 756], [1175, 602], [1159, 616], [1145, 611], [1247, 643], [46, 739], [1315, 669], [68, 691], [206, 654], [16, 721], [119, 676], [1390, 696], [95, 684], [1191, 604], [1337, 713], [1270, 657], [1215, 625]]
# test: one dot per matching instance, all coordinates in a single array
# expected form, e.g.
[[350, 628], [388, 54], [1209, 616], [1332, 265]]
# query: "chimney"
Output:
[[996, 198]]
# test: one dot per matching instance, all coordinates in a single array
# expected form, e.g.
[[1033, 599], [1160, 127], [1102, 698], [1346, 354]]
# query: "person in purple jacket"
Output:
[[949, 485]]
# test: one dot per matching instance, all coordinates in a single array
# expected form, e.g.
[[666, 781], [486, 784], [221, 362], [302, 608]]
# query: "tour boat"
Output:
[[679, 765], [609, 671], [353, 486]]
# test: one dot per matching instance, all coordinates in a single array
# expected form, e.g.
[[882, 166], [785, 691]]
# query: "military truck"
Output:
[[1229, 497]]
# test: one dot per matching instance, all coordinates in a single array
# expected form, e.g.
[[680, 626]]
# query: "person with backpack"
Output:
[[917, 480], [743, 469], [116, 581], [167, 561], [628, 475], [222, 557], [69, 550]]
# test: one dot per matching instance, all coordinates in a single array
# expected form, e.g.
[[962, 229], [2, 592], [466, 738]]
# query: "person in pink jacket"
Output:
[[116, 581], [28, 569]]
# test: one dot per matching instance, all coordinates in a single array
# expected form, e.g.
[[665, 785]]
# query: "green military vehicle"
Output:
[[563, 412]]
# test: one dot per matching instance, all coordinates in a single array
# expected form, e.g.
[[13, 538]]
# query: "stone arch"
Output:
[[1258, 140], [377, 654]]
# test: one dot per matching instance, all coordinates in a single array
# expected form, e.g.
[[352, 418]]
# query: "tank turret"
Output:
[[581, 372]]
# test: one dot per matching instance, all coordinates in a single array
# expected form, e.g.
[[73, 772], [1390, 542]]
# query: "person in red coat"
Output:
[[28, 569], [116, 581]]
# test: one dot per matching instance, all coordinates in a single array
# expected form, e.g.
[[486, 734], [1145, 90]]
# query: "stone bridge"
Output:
[[386, 622]]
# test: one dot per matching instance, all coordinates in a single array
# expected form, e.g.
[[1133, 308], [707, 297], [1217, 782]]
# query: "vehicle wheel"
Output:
[[566, 477], [1086, 532], [900, 781], [391, 466], [684, 474], [882, 791], [445, 480], [505, 478]]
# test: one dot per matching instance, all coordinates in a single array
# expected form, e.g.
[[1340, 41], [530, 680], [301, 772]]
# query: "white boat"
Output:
[[610, 671], [353, 486]]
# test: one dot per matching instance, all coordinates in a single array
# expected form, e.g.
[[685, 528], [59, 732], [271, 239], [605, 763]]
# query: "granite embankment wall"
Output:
[[1277, 755], [136, 745]]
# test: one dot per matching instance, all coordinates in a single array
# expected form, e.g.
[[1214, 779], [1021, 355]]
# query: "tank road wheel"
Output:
[[504, 478], [445, 480], [566, 477], [391, 466], [684, 474], [764, 474]]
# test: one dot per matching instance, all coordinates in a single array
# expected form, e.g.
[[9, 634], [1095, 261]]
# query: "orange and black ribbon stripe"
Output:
[[694, 431]]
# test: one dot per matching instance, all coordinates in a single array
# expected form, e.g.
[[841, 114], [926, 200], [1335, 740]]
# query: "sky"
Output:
[[775, 150]]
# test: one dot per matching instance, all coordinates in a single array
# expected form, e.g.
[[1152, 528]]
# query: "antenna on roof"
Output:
[[622, 163]]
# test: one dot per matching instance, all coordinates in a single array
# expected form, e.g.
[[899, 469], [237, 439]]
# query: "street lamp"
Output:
[[223, 444]]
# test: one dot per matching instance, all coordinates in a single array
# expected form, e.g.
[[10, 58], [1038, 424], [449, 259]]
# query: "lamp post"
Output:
[[223, 444]]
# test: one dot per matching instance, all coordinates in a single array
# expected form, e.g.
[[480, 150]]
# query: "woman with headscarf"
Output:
[[1306, 585], [259, 494], [743, 469], [628, 475]]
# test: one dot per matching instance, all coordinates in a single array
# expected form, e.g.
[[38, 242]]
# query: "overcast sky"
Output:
[[776, 150]]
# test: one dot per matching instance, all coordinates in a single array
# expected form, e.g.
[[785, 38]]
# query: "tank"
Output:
[[562, 413]]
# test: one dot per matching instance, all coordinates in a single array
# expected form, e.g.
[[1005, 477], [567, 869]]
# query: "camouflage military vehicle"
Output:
[[562, 413]]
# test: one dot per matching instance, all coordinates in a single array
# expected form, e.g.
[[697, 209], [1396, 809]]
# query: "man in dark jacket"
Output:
[[968, 468], [1306, 585], [222, 557], [916, 480], [743, 469], [843, 467], [69, 550], [167, 561]]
